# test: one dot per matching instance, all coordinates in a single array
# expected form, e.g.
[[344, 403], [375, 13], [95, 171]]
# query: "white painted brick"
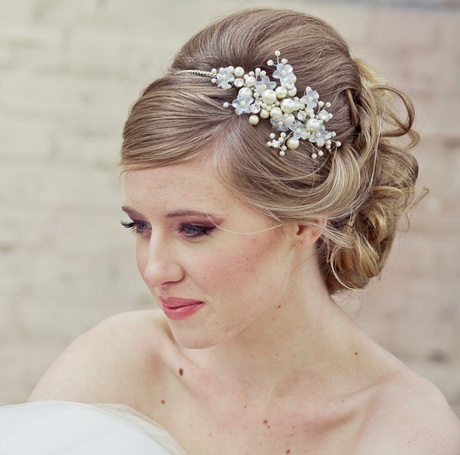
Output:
[[32, 47], [131, 53], [450, 34], [25, 138], [428, 72], [404, 29], [12, 12], [64, 96], [21, 364], [65, 12]]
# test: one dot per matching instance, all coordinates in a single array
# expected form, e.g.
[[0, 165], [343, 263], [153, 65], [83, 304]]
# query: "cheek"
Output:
[[141, 258], [247, 263]]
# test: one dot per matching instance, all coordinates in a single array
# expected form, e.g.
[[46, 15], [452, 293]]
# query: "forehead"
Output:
[[178, 184]]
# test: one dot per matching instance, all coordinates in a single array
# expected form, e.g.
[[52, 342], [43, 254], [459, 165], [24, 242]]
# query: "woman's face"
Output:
[[213, 263]]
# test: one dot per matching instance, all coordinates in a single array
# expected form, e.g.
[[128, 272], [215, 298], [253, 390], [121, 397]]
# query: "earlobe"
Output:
[[308, 234]]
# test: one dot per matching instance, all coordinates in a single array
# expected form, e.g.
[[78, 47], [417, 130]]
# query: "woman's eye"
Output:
[[193, 231], [137, 227]]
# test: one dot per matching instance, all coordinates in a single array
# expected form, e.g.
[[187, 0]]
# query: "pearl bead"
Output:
[[282, 153], [239, 72], [250, 81], [313, 125], [269, 96], [264, 113], [292, 92], [253, 120], [276, 112], [320, 142], [314, 156], [281, 92], [245, 92], [226, 104], [293, 143], [288, 106]]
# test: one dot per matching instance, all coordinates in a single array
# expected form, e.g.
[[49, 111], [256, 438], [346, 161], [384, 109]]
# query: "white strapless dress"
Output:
[[67, 428]]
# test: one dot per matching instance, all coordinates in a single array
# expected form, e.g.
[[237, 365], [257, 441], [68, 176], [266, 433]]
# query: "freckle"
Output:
[[245, 407], [181, 372], [279, 306], [356, 353], [288, 451], [163, 401], [265, 422]]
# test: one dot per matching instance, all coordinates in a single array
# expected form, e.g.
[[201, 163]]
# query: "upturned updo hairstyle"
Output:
[[363, 187]]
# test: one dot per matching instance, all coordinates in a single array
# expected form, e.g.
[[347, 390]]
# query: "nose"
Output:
[[158, 264]]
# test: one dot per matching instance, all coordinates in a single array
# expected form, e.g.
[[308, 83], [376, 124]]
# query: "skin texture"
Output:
[[269, 364]]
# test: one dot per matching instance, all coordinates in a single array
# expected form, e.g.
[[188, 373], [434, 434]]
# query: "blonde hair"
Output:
[[363, 187]]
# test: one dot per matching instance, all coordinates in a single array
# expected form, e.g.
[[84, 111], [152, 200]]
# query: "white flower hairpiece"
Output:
[[295, 118]]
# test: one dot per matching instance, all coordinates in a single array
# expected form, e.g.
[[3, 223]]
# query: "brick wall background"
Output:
[[69, 71]]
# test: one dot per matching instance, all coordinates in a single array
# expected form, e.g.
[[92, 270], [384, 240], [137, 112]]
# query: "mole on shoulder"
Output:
[[163, 401], [181, 372]]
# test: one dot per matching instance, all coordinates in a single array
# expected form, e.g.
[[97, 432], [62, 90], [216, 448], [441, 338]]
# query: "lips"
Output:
[[178, 309]]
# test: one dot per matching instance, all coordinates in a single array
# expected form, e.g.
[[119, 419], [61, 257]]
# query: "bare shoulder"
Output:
[[410, 416], [109, 362]]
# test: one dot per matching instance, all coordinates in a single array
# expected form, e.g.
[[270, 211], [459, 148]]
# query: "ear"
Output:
[[307, 234]]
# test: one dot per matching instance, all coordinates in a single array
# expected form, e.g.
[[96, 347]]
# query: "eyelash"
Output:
[[200, 229]]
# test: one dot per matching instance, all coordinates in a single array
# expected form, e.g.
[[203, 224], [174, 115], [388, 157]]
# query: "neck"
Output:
[[305, 339]]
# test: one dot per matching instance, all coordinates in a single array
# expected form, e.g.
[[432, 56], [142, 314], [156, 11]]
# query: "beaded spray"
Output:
[[294, 118]]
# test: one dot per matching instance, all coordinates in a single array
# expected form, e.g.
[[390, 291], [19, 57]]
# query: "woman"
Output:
[[261, 177]]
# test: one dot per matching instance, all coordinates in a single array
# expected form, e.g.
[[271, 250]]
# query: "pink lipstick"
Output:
[[177, 309]]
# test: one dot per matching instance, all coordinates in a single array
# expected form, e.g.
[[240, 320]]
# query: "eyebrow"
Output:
[[175, 214]]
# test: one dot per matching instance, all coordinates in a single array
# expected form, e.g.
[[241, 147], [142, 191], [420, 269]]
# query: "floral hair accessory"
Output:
[[296, 118]]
